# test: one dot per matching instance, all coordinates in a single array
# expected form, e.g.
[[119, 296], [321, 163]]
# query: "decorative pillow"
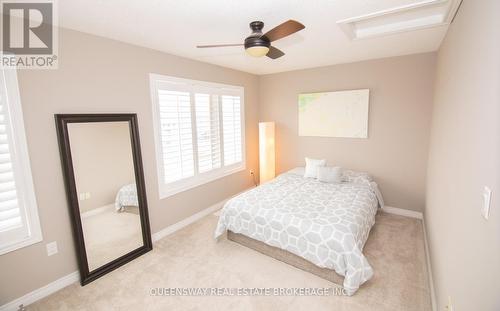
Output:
[[312, 167], [329, 174]]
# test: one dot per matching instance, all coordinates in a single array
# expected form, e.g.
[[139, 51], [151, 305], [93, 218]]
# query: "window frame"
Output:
[[24, 179], [193, 87]]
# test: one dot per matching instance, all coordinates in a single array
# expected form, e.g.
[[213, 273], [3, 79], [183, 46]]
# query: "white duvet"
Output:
[[327, 224]]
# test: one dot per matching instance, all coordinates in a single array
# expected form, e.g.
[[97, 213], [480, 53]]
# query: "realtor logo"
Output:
[[29, 34], [35, 25]]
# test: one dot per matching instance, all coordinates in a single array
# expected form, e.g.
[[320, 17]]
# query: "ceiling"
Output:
[[176, 27]]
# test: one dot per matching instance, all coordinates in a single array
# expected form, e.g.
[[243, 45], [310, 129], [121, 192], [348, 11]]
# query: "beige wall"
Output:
[[102, 161], [101, 75], [464, 157], [398, 128]]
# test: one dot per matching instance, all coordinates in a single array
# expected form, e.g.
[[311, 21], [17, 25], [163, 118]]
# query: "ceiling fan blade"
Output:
[[218, 45], [274, 53], [283, 30]]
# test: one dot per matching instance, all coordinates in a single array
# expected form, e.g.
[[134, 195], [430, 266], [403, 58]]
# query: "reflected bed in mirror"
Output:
[[105, 186]]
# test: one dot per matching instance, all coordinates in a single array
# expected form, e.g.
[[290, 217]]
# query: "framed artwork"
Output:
[[334, 114]]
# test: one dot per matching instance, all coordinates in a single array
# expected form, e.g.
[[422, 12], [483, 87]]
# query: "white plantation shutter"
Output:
[[176, 135], [199, 134], [19, 223], [10, 216], [231, 123], [207, 129]]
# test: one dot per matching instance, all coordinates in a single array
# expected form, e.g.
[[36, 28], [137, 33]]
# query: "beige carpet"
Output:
[[109, 235], [191, 258]]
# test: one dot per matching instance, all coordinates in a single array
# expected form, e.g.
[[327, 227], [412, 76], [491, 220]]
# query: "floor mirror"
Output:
[[104, 179]]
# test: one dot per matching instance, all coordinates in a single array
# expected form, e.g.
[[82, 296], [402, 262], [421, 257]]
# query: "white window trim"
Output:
[[21, 151], [167, 190]]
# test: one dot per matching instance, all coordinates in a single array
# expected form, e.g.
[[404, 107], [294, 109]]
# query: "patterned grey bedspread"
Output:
[[327, 224]]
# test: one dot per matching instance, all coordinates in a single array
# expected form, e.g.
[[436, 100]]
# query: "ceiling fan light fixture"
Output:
[[257, 51], [258, 44]]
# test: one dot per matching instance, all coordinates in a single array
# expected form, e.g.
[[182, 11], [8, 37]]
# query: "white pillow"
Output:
[[312, 167], [329, 174]]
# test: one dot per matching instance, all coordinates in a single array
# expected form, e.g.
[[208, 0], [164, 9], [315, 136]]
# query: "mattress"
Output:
[[326, 224]]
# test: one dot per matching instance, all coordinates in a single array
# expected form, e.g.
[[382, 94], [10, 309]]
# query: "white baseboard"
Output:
[[191, 219], [402, 212], [186, 221], [42, 292], [97, 211], [429, 269], [74, 277]]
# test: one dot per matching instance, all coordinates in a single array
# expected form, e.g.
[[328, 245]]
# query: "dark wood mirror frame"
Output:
[[62, 121]]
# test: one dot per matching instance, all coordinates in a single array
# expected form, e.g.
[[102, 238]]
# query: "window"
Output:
[[199, 132], [19, 223]]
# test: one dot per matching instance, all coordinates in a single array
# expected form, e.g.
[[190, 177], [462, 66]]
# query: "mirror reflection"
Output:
[[106, 187]]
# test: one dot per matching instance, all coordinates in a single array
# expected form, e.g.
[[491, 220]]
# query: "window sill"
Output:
[[21, 244]]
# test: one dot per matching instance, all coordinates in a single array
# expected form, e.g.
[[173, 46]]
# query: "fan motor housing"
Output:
[[256, 38], [256, 41]]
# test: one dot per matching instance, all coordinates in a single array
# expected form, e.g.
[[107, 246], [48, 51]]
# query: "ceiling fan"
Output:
[[259, 44]]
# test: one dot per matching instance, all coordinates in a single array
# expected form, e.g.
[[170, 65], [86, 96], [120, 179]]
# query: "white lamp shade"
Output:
[[266, 151]]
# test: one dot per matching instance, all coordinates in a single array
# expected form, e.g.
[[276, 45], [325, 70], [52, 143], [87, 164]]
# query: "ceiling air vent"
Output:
[[420, 15]]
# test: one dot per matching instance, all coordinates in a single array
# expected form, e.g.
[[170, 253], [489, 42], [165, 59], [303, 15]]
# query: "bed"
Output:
[[126, 196], [293, 218]]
